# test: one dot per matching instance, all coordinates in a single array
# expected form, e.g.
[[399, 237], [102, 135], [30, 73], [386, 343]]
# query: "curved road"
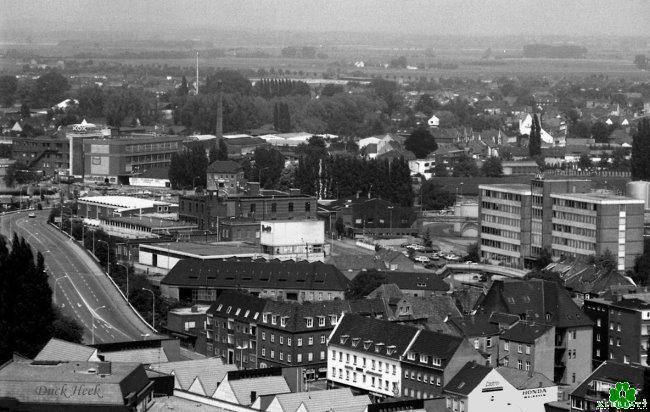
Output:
[[80, 287]]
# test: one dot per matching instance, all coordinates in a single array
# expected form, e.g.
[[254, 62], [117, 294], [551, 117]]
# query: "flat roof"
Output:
[[123, 202], [519, 188], [151, 222], [192, 310], [599, 198], [206, 250]]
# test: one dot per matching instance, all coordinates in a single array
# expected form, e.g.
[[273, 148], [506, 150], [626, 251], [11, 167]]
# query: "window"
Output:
[[265, 317], [411, 356], [283, 322], [322, 355], [618, 329], [527, 365], [281, 340], [598, 337], [321, 321], [527, 349], [307, 206], [299, 342], [476, 344], [519, 349], [263, 351], [322, 339], [347, 358], [272, 337], [488, 342], [626, 359], [577, 403], [272, 354], [289, 341], [310, 322], [263, 335], [354, 359], [290, 206], [333, 319], [519, 364], [311, 340], [281, 355], [598, 322], [574, 333], [573, 378], [333, 355], [299, 357], [310, 356], [505, 345], [394, 370], [423, 358], [437, 361]]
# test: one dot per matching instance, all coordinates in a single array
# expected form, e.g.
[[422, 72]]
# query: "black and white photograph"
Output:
[[324, 205]]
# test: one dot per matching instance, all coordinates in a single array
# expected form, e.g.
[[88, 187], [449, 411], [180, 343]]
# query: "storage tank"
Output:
[[639, 190]]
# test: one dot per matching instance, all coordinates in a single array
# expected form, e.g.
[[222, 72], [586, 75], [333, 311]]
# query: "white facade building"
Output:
[[293, 239]]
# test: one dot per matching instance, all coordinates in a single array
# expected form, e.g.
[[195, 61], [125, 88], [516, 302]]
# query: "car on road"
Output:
[[416, 247], [422, 259], [32, 215]]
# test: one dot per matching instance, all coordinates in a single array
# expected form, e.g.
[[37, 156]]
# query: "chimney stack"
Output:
[[104, 368], [219, 126]]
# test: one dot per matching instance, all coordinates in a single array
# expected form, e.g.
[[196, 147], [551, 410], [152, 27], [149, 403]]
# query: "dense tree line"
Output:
[[188, 168], [268, 88], [28, 318], [640, 164]]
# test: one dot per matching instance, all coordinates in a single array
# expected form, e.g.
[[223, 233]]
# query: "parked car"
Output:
[[415, 246], [422, 259], [32, 215]]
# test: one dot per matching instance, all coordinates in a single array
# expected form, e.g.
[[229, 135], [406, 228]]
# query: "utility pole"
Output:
[[197, 72]]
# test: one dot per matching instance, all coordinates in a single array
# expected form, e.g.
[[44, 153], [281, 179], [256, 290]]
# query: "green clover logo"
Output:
[[622, 396]]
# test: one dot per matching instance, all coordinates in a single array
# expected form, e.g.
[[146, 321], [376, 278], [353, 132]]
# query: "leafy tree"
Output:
[[641, 274], [91, 101], [425, 104], [220, 152], [364, 283], [435, 197], [544, 259], [399, 63], [8, 88], [604, 261], [188, 168], [619, 159], [330, 90], [640, 164], [584, 162], [232, 82], [465, 166], [473, 253], [492, 167], [267, 167], [49, 89], [440, 170], [426, 238], [421, 143], [579, 129], [281, 117], [600, 132], [535, 139], [183, 88], [24, 111], [387, 91]]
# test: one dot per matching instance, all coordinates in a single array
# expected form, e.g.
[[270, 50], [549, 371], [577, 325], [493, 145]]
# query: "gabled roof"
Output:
[[525, 332], [475, 325], [386, 291], [224, 166], [323, 401], [236, 273], [426, 307], [239, 306], [521, 379], [144, 356], [539, 300], [467, 378], [378, 337], [60, 350], [434, 345], [263, 385], [209, 371], [611, 372], [416, 281]]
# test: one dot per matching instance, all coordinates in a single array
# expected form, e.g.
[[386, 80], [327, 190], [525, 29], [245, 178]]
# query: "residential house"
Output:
[[199, 376], [225, 175], [529, 346], [480, 332]]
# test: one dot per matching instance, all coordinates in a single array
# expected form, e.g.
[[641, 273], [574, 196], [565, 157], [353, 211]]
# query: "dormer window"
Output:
[[378, 347], [355, 342], [411, 356], [310, 322], [344, 338], [333, 319], [321, 321], [257, 314], [274, 319], [390, 350], [237, 312], [219, 307], [246, 313], [366, 344], [265, 317], [229, 309], [283, 321], [437, 361], [424, 359]]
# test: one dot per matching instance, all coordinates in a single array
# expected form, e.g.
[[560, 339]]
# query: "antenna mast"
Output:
[[197, 72]]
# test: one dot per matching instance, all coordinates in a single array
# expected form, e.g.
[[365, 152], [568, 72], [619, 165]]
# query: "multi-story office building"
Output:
[[621, 328], [517, 221], [49, 155], [587, 224], [548, 303], [112, 159], [504, 221]]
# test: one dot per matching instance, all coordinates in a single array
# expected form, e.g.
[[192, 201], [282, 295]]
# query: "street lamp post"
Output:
[[153, 307], [93, 313], [108, 256], [241, 355]]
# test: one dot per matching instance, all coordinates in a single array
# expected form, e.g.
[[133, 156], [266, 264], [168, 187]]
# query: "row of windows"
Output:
[[418, 394], [575, 217], [420, 377], [148, 158], [502, 195], [579, 231], [375, 382], [520, 347], [374, 364], [308, 321], [501, 220], [576, 244], [500, 232], [151, 146], [282, 357], [501, 208], [575, 204], [520, 363], [500, 245], [310, 340]]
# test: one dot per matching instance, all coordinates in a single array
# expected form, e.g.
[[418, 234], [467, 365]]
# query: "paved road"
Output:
[[79, 285]]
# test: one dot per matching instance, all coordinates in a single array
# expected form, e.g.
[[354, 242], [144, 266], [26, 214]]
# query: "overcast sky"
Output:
[[460, 17]]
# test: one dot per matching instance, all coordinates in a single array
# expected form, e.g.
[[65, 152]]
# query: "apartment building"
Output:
[[49, 155], [517, 221], [547, 303], [621, 328], [225, 175], [529, 346]]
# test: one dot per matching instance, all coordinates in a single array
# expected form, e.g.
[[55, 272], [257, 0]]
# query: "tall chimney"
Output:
[[219, 127]]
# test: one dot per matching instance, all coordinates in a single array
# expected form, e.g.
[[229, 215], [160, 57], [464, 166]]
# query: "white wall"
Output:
[[299, 232], [361, 371]]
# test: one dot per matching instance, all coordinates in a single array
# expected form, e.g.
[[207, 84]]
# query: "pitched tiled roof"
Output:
[[612, 372], [386, 291], [521, 379], [224, 166], [379, 337], [475, 325], [236, 273], [426, 307], [210, 372], [241, 307], [467, 378], [323, 401], [145, 356], [416, 281], [525, 332], [60, 350], [540, 300], [434, 345], [263, 385]]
